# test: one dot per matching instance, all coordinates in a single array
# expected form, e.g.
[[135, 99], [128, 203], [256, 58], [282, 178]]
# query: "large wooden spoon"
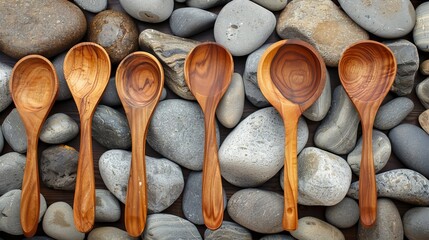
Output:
[[208, 70], [139, 81], [87, 72], [367, 70], [34, 87], [291, 75]]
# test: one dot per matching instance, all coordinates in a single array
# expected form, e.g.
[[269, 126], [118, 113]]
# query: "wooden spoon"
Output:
[[291, 75], [34, 87], [208, 70], [367, 70], [87, 72], [139, 81]]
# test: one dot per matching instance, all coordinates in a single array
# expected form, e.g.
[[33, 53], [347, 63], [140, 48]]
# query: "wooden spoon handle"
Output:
[[212, 182], [84, 197], [30, 195]]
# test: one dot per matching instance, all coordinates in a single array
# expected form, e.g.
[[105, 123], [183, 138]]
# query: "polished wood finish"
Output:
[[367, 70], [87, 72], [291, 75], [139, 81], [34, 87], [208, 70]]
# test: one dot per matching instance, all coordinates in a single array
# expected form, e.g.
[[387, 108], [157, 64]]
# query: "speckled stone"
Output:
[[107, 208], [58, 167], [12, 166], [205, 4], [345, 214], [167, 226], [423, 120], [5, 97], [316, 229], [318, 110], [273, 5], [14, 132], [228, 230], [59, 128], [424, 67], [416, 222], [230, 108], [422, 91], [94, 6], [421, 28], [58, 222], [63, 89], [108, 233], [393, 112], [152, 11], [188, 21], [110, 96]]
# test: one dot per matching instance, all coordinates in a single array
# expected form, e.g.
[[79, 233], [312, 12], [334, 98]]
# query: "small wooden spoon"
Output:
[[34, 87], [208, 70], [367, 70], [139, 81], [87, 72], [291, 75]]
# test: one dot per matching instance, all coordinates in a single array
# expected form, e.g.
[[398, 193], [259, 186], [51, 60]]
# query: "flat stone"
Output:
[[152, 11], [254, 151], [381, 150], [205, 4], [393, 113], [422, 91], [344, 214], [277, 237], [14, 132], [316, 229], [107, 208], [94, 6], [12, 166], [58, 165], [167, 226], [424, 67], [171, 51], [5, 97], [58, 222], [421, 28], [273, 5], [110, 96], [59, 128], [230, 108], [388, 224], [107, 233], [415, 222], [318, 110], [188, 21], [258, 210], [423, 120], [63, 89], [53, 28], [116, 32], [228, 230]]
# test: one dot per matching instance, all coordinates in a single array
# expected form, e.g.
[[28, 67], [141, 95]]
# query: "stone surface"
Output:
[[58, 222], [12, 166], [402, 184], [176, 131], [107, 233], [416, 222], [318, 110], [10, 204], [230, 108], [345, 214], [59, 128], [381, 150], [53, 28], [337, 132], [115, 32], [5, 97], [152, 11], [164, 178], [188, 21], [316, 229], [63, 89], [421, 28], [258, 210], [94, 6], [58, 167], [167, 226], [423, 120], [407, 60], [277, 237], [204, 4], [171, 51], [273, 5], [243, 21], [388, 225], [424, 67], [107, 208], [228, 230], [14, 132], [410, 145], [1, 140], [328, 29], [422, 91], [254, 151], [110, 96], [393, 112]]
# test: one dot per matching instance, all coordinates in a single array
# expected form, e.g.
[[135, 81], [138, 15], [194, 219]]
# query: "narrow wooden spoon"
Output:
[[208, 70], [34, 87], [367, 70], [139, 81], [87, 72], [291, 75]]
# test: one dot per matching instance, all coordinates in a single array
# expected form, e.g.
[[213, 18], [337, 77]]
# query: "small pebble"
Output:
[[5, 97], [318, 110], [316, 229], [58, 167], [422, 91], [188, 21], [152, 11], [63, 89], [109, 233], [204, 4], [230, 108], [167, 226], [416, 222], [1, 140], [110, 96], [163, 94], [228, 230], [420, 31], [107, 208], [277, 237], [12, 166], [424, 120], [424, 67], [393, 112], [14, 132], [58, 222], [94, 6], [345, 214], [273, 5], [59, 128]]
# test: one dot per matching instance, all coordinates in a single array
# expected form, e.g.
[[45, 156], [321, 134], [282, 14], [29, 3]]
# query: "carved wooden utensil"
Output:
[[34, 87], [208, 71], [367, 70], [291, 75], [139, 81], [87, 72]]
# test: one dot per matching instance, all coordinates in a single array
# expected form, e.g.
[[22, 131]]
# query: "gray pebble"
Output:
[[107, 208], [228, 230], [393, 112], [318, 110], [273, 5], [277, 237], [94, 6], [110, 96], [345, 214], [1, 140], [108, 233], [14, 132], [12, 166], [58, 165], [152, 11], [166, 226], [230, 108], [63, 89], [422, 91], [416, 222], [316, 229], [420, 31], [59, 128], [5, 97], [58, 222], [163, 94], [39, 238], [188, 21], [204, 4]]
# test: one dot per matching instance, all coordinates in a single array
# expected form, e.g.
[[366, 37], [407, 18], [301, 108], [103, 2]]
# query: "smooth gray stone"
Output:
[[416, 222], [176, 131], [277, 237], [63, 89], [163, 226], [110, 128], [12, 166], [420, 31], [345, 214], [163, 94], [59, 128], [1, 140], [58, 167], [58, 222], [230, 108], [243, 21], [110, 96], [407, 60], [257, 210], [109, 233], [410, 145], [401, 184], [388, 225], [39, 238], [188, 21], [204, 4], [107, 208], [393, 112], [381, 150], [14, 132], [228, 230], [318, 110], [5, 97], [152, 11], [316, 229], [272, 5], [94, 6], [422, 91], [254, 151], [10, 203], [337, 132]]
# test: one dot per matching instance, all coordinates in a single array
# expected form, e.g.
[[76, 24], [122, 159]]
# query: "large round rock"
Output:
[[416, 222]]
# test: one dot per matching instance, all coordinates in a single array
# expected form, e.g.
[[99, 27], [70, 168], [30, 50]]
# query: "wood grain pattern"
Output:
[[367, 70], [291, 75], [87, 72], [34, 87], [139, 81], [208, 71]]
